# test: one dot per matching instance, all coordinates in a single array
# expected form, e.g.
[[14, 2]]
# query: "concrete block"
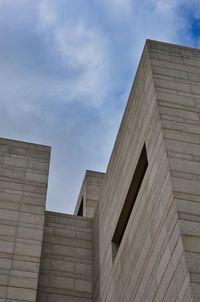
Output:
[[84, 286], [30, 249], [22, 294], [61, 282]]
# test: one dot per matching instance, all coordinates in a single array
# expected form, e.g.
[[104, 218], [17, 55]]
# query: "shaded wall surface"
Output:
[[158, 257], [66, 261], [142, 269]]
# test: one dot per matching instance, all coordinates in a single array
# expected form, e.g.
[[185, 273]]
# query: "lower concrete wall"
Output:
[[66, 263], [189, 220]]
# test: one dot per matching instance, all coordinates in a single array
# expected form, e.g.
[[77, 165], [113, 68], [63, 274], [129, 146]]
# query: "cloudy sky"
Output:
[[66, 69]]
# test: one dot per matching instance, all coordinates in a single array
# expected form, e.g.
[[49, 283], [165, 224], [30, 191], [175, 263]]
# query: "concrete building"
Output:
[[135, 232]]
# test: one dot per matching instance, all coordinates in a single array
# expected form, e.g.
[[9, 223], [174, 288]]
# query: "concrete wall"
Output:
[[23, 184], [96, 257], [66, 262], [155, 260], [89, 193], [176, 73]]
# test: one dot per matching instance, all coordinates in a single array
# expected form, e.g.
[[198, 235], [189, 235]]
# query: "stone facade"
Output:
[[23, 185], [135, 232], [66, 260]]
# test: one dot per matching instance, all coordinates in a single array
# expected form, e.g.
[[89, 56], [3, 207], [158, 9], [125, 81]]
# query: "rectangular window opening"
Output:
[[80, 210], [129, 201]]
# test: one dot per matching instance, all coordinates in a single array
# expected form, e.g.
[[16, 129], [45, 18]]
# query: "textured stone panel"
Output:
[[66, 262], [22, 208]]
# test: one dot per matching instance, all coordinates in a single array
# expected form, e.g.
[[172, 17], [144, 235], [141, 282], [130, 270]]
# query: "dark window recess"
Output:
[[80, 210], [129, 201]]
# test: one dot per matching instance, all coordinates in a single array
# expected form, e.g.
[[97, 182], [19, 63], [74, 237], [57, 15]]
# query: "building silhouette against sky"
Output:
[[135, 232]]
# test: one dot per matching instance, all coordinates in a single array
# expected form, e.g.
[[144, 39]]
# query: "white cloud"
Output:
[[47, 16], [121, 6], [82, 49]]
